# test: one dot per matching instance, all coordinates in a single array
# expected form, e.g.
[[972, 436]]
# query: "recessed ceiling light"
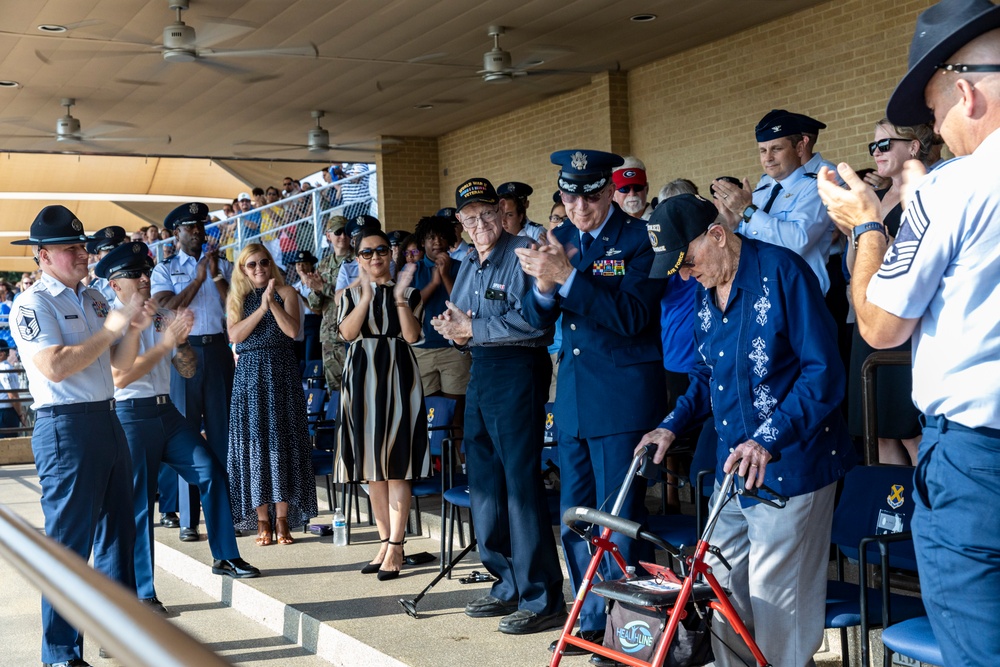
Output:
[[643, 18], [9, 84], [51, 27], [424, 107]]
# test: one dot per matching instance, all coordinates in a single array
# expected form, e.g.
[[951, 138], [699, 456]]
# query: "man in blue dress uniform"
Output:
[[69, 341], [938, 285], [156, 431], [611, 386], [198, 281]]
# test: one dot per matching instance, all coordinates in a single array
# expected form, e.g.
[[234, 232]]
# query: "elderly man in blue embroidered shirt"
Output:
[[770, 367]]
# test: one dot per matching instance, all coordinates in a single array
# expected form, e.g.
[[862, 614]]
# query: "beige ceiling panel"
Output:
[[30, 172], [193, 177]]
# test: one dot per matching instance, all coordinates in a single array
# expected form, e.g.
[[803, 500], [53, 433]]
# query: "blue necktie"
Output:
[[585, 240], [774, 195]]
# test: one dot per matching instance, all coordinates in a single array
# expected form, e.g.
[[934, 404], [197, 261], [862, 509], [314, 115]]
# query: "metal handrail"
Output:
[[94, 604], [868, 387]]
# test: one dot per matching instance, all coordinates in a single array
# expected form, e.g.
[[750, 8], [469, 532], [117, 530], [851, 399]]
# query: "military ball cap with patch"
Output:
[[55, 225], [186, 214], [676, 222], [473, 191], [584, 171], [108, 237], [132, 256]]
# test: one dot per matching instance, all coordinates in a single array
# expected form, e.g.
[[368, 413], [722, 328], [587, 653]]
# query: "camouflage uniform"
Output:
[[324, 302]]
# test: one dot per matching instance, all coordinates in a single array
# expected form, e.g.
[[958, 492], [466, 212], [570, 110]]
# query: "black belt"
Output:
[[76, 408], [943, 424], [209, 339], [149, 401]]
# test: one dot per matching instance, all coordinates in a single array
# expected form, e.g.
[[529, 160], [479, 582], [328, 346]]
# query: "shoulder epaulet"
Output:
[[811, 174], [763, 187]]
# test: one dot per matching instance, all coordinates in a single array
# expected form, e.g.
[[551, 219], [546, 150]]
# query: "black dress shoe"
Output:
[[524, 622], [488, 605], [170, 520], [595, 636], [189, 535], [237, 568], [154, 606], [75, 662]]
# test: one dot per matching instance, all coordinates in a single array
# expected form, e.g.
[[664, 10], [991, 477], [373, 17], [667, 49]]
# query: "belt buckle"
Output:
[[205, 340], [161, 400], [112, 405]]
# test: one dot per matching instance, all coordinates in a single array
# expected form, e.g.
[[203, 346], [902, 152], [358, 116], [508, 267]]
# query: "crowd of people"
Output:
[[739, 319]]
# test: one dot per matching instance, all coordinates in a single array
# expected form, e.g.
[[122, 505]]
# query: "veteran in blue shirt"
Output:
[[771, 374]]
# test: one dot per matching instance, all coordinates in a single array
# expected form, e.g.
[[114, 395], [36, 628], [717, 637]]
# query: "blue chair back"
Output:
[[313, 373], [440, 414], [876, 500], [315, 403], [551, 430]]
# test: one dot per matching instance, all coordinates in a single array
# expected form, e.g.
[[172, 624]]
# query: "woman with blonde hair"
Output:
[[270, 459]]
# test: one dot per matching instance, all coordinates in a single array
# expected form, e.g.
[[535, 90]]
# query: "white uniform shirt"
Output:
[[176, 273], [797, 221], [157, 381], [944, 268], [104, 287], [49, 314]]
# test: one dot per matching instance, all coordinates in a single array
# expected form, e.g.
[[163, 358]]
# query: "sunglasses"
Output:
[[264, 263], [882, 145], [338, 232], [368, 253], [132, 275], [569, 199], [631, 188]]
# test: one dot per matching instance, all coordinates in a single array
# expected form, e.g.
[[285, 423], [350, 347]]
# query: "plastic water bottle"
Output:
[[339, 528]]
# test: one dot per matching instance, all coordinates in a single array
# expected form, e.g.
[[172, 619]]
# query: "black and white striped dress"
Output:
[[381, 423]]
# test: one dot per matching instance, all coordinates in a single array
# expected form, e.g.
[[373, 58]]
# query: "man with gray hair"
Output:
[[937, 284]]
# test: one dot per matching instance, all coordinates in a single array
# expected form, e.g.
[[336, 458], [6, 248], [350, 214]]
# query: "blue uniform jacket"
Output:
[[611, 377], [770, 371]]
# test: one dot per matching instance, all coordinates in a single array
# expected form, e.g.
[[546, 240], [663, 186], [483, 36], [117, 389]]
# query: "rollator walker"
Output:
[[648, 613]]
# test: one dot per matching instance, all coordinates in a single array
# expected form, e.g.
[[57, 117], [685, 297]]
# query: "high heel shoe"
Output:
[[284, 534], [372, 568], [263, 532], [386, 575]]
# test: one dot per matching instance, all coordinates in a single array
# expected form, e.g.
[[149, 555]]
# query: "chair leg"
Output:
[[419, 525], [845, 655], [329, 491]]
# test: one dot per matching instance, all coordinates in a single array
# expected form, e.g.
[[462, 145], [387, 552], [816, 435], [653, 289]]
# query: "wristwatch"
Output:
[[748, 212], [868, 227]]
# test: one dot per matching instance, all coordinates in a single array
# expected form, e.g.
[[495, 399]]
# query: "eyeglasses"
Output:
[[569, 199], [882, 145], [625, 189], [471, 222], [368, 253], [555, 218], [264, 263], [132, 275], [413, 253]]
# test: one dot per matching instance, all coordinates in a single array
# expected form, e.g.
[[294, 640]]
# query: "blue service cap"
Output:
[[514, 189], [778, 123], [186, 214], [305, 257], [583, 171], [131, 256], [356, 225], [447, 212], [105, 239], [54, 225], [395, 236]]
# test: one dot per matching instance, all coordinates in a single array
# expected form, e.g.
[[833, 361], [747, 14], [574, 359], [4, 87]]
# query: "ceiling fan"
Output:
[[318, 141], [181, 43], [68, 129], [497, 67]]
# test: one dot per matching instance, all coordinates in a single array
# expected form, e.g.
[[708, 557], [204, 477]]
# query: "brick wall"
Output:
[[407, 182], [692, 115]]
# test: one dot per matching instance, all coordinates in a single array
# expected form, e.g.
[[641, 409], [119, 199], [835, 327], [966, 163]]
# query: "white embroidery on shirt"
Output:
[[762, 306], [705, 315], [766, 432], [759, 357], [763, 401]]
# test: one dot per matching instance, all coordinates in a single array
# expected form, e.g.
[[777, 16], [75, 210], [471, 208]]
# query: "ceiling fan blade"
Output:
[[309, 51], [48, 58], [82, 24], [269, 143], [215, 30], [268, 152], [387, 141], [138, 82], [103, 138], [109, 126], [27, 136]]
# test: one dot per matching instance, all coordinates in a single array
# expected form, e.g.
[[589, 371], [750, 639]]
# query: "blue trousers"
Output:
[[86, 477], [504, 427], [956, 532], [166, 482], [204, 401], [591, 471], [159, 434]]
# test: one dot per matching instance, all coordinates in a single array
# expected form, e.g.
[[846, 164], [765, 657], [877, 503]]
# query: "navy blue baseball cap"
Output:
[[54, 225], [356, 225], [676, 222], [583, 171], [941, 31], [131, 256], [186, 214], [514, 189], [106, 238]]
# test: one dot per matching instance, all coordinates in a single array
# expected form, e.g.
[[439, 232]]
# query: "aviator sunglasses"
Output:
[[264, 263], [368, 253]]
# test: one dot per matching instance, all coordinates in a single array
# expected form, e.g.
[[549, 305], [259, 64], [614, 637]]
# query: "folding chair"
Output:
[[441, 430], [914, 639], [315, 405], [874, 511], [325, 443], [312, 375]]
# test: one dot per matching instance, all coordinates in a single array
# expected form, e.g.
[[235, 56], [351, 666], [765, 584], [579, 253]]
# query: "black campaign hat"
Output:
[[54, 225], [514, 189], [186, 214], [941, 31], [582, 171], [475, 190], [304, 256], [109, 237], [676, 222], [132, 256]]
